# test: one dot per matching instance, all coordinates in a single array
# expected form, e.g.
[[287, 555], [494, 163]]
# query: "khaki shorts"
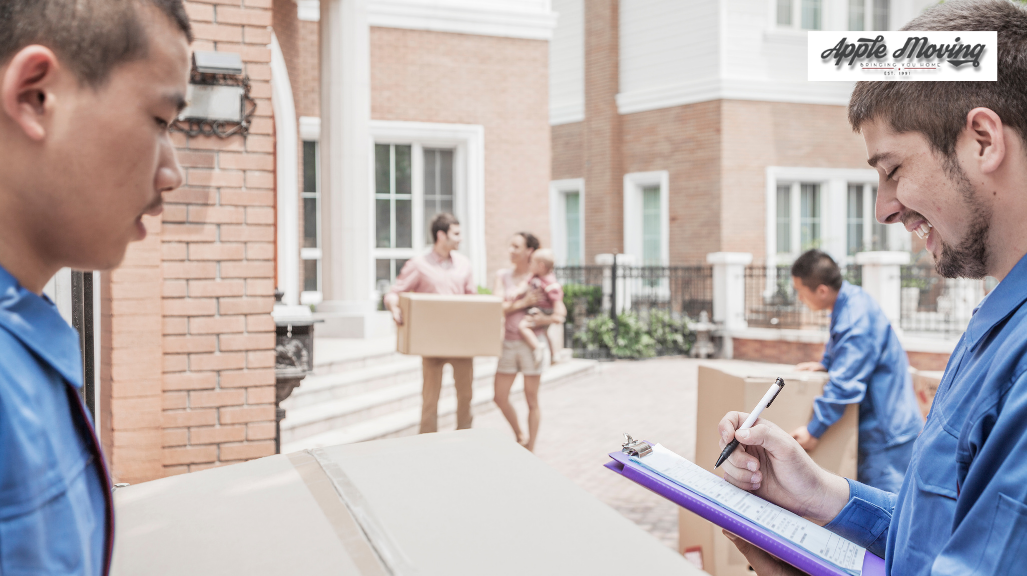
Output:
[[517, 357]]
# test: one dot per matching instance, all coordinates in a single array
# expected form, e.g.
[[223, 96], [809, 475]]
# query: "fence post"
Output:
[[882, 279], [606, 261], [729, 288]]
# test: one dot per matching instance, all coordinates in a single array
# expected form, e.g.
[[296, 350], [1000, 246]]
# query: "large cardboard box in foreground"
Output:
[[740, 386], [465, 503], [450, 326]]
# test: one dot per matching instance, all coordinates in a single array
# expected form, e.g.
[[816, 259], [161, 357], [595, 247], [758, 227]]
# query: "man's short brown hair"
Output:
[[938, 110], [816, 267], [441, 223], [91, 37]]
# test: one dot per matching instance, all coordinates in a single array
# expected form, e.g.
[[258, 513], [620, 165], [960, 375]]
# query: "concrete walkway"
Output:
[[584, 420]]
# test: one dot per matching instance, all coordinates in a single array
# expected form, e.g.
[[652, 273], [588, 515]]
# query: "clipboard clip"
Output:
[[634, 447]]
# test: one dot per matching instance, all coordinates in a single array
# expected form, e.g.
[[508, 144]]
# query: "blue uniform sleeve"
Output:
[[866, 517], [990, 527], [853, 359]]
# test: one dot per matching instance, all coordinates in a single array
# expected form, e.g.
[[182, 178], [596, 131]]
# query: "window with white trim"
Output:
[[869, 14], [310, 252], [413, 183], [567, 221], [800, 14], [827, 208], [646, 217]]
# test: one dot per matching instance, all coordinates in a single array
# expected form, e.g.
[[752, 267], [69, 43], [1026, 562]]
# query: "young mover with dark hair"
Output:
[[88, 89], [441, 271], [867, 365], [952, 159]]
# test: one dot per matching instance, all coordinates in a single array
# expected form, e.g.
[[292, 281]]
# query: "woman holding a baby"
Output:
[[532, 300]]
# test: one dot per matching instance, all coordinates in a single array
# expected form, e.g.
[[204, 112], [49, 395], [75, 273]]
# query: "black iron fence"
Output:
[[633, 311], [930, 303], [771, 301]]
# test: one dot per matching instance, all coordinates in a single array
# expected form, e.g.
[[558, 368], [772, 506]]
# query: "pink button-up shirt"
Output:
[[433, 275]]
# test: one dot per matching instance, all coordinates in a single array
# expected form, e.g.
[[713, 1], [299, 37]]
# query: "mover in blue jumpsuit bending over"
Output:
[[867, 365], [952, 162], [88, 89]]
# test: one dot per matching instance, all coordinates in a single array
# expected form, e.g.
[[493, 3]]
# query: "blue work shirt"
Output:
[[961, 509], [56, 514], [866, 364]]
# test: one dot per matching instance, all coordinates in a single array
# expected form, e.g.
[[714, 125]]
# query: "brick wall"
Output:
[[601, 131], [789, 352], [568, 161], [500, 83], [189, 340], [685, 141], [761, 134]]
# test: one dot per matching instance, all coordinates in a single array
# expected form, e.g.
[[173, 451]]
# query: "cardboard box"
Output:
[[925, 385], [465, 503], [450, 326], [740, 386]]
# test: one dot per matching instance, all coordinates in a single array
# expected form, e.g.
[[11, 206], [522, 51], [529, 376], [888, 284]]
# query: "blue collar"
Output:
[[35, 321], [1000, 304]]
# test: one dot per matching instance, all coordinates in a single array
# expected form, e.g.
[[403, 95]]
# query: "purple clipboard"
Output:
[[750, 531]]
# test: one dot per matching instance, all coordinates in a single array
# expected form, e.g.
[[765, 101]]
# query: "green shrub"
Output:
[[593, 296], [635, 338], [671, 335], [484, 290]]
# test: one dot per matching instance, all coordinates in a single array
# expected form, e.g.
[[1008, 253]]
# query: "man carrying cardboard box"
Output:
[[441, 271], [867, 366]]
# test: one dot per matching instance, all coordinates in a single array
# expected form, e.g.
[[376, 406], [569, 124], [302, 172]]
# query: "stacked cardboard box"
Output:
[[739, 387]]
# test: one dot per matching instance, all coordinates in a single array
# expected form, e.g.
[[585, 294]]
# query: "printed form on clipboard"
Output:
[[782, 533]]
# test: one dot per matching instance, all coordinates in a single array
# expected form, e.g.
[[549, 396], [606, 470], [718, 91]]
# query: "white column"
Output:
[[729, 288], [882, 279], [286, 158], [346, 166]]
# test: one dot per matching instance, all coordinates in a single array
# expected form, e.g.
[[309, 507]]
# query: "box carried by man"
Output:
[[450, 325]]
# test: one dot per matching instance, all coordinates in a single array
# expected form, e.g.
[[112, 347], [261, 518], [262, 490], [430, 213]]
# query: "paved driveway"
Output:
[[584, 420]]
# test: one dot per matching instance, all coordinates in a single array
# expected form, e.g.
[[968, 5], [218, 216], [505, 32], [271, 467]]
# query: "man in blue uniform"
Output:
[[867, 365], [87, 91], [952, 159]]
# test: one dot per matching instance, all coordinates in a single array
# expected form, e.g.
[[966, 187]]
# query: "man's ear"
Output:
[[985, 128], [26, 89]]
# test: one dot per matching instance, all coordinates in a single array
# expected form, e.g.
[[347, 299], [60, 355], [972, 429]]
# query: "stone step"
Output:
[[319, 388], [347, 409], [405, 421], [333, 355]]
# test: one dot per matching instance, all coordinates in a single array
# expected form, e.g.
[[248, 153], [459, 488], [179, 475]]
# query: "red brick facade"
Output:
[[499, 83], [187, 371], [788, 352]]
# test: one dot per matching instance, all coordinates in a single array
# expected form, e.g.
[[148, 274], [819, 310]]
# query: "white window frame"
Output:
[[868, 15], [834, 187], [634, 182], [468, 144], [826, 16], [310, 131], [558, 190]]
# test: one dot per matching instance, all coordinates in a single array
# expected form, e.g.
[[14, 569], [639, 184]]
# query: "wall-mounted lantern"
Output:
[[219, 97]]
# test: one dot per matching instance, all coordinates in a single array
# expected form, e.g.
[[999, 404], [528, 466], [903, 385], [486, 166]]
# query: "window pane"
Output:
[[310, 222], [784, 12], [651, 253], [811, 14], [784, 219], [403, 174], [382, 275], [383, 221], [310, 273], [430, 172], [381, 168], [404, 224], [446, 172], [400, 262], [881, 9], [573, 226], [856, 11], [310, 166], [854, 232], [809, 213], [879, 238]]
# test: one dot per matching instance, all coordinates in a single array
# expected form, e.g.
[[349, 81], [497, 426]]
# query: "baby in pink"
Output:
[[550, 292]]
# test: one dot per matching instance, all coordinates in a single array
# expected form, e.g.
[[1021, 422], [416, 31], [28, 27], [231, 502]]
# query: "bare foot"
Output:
[[522, 440]]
